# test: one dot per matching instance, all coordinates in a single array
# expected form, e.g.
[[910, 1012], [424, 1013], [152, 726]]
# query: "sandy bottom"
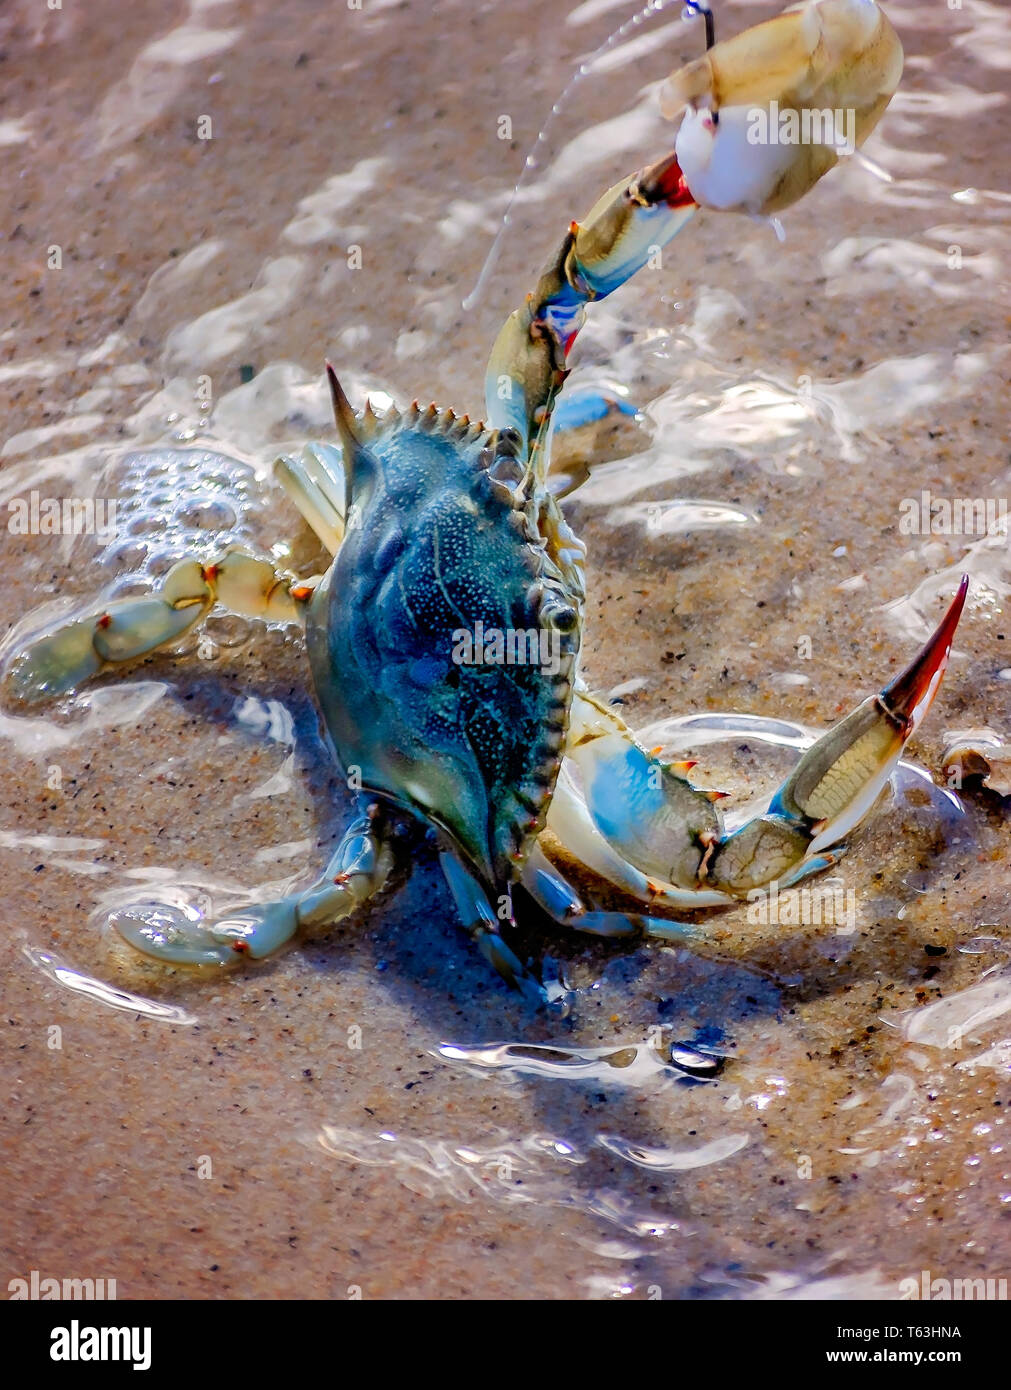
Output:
[[373, 1111]]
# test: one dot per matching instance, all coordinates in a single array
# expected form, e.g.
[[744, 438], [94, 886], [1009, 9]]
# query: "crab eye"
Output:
[[560, 616]]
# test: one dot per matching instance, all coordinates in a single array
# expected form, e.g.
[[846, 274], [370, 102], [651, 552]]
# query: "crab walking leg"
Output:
[[658, 827], [624, 231], [66, 656], [479, 919], [358, 870], [552, 891]]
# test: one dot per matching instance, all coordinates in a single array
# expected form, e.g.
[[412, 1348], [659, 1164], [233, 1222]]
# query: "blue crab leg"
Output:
[[550, 889], [629, 225], [664, 838], [58, 660], [359, 869], [479, 919]]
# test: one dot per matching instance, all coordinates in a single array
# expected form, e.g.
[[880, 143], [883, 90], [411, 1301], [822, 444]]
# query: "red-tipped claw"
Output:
[[908, 697]]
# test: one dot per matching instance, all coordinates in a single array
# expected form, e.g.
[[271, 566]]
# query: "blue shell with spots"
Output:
[[445, 548]]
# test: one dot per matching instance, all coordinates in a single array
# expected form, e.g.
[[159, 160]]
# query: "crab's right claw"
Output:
[[838, 780], [840, 777]]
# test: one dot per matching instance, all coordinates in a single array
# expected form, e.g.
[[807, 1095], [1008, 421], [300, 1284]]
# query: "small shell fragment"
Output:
[[980, 753]]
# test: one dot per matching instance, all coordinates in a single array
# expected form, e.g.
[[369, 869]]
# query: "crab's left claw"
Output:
[[840, 777]]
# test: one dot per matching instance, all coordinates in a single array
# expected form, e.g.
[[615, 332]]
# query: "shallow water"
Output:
[[371, 1110]]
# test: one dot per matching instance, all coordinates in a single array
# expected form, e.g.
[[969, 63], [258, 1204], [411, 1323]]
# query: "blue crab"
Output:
[[444, 637]]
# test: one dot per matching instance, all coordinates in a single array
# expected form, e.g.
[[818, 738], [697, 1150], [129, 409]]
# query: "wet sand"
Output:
[[811, 386]]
